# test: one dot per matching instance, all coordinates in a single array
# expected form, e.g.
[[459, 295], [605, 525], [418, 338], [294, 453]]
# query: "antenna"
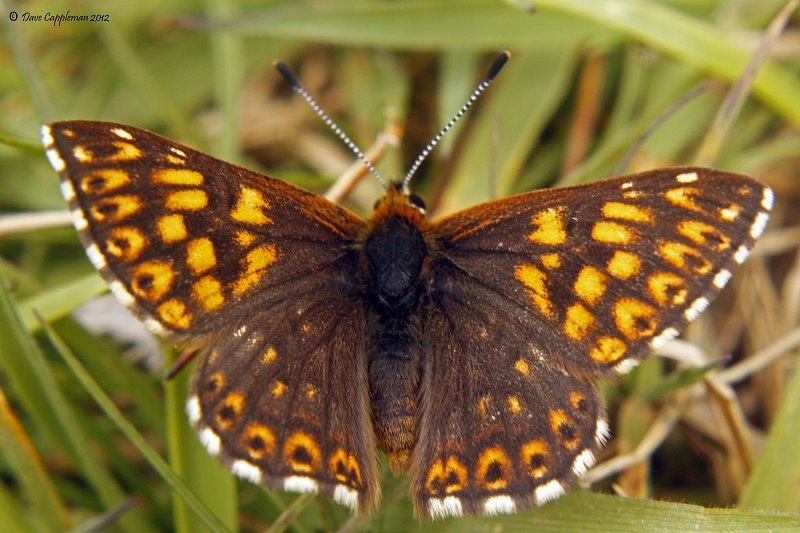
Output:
[[291, 78], [497, 64]]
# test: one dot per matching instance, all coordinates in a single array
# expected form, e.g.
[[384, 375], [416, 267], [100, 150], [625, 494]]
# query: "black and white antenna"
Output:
[[498, 64], [290, 77]]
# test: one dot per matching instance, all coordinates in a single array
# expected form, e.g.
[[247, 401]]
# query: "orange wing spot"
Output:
[[174, 313], [270, 354], [171, 228], [730, 213], [186, 200], [579, 321], [259, 441], [536, 282], [683, 197], [608, 349], [215, 383], [126, 243], [207, 291], [522, 367], [82, 154], [550, 228], [125, 152], [229, 410], [446, 476], [685, 257], [627, 212], [251, 207], [578, 402], [514, 405], [494, 469], [535, 455], [630, 195], [311, 391], [613, 233], [174, 159], [115, 208], [704, 235], [623, 265], [667, 288], [152, 280], [177, 176], [551, 261], [634, 318], [564, 429], [345, 468], [256, 262], [200, 255], [105, 180], [278, 389], [590, 285], [302, 452], [244, 238]]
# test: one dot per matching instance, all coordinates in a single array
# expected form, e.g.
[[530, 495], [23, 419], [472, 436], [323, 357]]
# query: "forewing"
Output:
[[603, 274], [184, 238]]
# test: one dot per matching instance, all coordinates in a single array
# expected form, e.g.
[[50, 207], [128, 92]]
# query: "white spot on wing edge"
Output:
[[663, 338], [55, 160], [442, 508], [697, 307], [601, 432], [626, 185], [246, 470], [741, 254], [121, 293], [67, 190], [686, 177], [95, 256], [78, 220], [177, 151], [47, 136], [548, 492], [496, 505], [759, 224], [767, 199], [193, 410], [119, 132], [721, 278], [210, 441], [583, 462], [623, 367], [346, 496], [300, 484], [154, 326]]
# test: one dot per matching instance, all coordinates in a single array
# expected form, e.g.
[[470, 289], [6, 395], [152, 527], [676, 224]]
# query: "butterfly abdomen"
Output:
[[393, 262]]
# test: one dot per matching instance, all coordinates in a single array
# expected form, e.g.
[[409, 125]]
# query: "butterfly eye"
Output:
[[417, 202]]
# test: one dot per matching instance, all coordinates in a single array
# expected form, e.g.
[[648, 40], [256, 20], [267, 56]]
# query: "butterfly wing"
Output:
[[253, 268], [535, 296]]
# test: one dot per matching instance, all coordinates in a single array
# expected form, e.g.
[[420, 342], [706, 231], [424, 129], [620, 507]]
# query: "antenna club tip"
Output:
[[286, 72], [499, 63]]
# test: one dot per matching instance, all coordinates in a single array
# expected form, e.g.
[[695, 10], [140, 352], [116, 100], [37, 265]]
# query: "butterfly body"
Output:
[[466, 348]]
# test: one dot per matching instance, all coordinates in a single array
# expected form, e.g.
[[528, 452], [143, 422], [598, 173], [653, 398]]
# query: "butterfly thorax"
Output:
[[394, 270]]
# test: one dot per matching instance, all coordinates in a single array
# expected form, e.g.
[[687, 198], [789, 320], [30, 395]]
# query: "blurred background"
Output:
[[594, 89]]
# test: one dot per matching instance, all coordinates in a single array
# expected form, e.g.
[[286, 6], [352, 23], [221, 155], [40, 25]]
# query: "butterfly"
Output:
[[466, 349]]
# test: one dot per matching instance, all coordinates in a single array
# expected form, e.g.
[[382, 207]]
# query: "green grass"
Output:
[[82, 429]]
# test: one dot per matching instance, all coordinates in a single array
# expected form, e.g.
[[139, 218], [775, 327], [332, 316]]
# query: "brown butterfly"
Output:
[[466, 348]]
